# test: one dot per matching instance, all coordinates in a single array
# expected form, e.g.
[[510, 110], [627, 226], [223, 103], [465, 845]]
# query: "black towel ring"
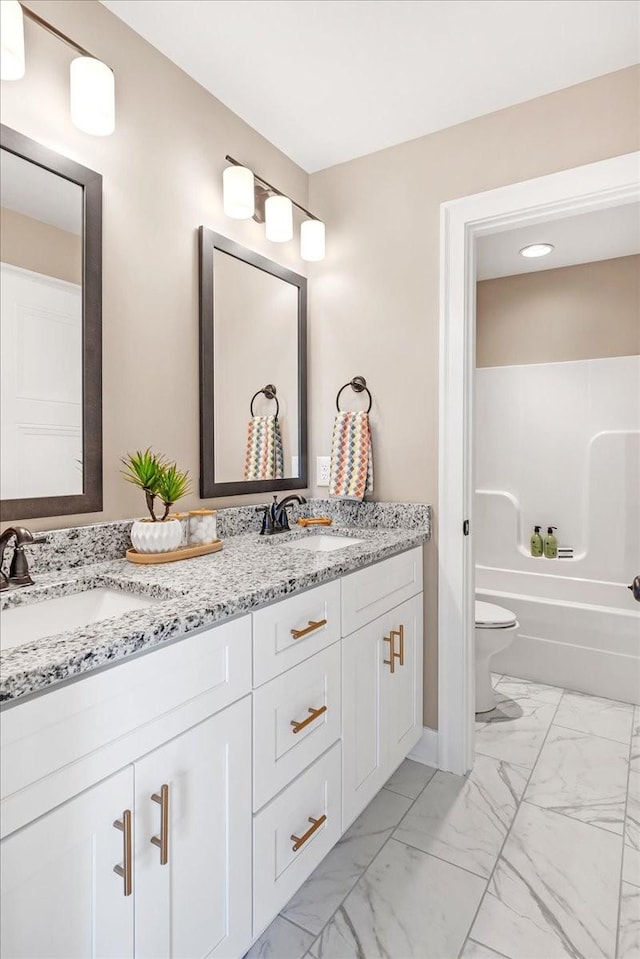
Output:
[[359, 385], [270, 392]]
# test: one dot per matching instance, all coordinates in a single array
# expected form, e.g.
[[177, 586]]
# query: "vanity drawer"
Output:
[[314, 616], [309, 690], [64, 741], [279, 869], [372, 591]]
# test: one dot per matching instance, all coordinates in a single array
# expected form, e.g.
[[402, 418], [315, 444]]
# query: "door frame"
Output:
[[594, 186]]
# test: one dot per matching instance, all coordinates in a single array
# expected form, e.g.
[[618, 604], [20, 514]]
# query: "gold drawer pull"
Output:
[[400, 634], [299, 633], [125, 871], [313, 714], [163, 840], [391, 662], [299, 841]]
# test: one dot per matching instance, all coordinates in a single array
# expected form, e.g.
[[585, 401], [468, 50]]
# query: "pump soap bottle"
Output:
[[536, 542], [550, 543]]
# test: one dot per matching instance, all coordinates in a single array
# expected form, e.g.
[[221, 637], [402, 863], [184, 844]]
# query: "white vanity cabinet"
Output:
[[169, 807]]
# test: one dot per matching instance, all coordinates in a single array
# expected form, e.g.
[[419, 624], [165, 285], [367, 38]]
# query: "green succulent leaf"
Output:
[[173, 484], [144, 470]]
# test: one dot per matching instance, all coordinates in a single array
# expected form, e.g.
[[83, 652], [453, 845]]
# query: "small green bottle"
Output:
[[550, 543], [536, 542]]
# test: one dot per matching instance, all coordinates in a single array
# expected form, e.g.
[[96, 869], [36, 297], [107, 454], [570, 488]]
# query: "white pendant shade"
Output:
[[92, 96], [278, 212], [11, 40], [312, 240], [238, 192]]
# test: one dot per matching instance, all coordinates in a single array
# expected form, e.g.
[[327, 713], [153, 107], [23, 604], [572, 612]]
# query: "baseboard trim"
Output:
[[426, 749]]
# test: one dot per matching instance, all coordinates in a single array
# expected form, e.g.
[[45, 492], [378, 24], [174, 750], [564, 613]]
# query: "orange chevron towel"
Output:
[[351, 473]]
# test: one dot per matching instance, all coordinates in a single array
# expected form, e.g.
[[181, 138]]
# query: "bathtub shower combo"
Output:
[[564, 450]]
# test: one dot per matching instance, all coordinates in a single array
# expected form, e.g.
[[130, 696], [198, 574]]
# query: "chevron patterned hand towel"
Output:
[[351, 473], [264, 458]]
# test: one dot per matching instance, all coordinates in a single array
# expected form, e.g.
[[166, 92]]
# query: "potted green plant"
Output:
[[160, 480]]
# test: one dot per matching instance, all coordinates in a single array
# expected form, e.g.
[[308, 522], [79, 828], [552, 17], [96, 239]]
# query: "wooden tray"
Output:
[[183, 552], [315, 521]]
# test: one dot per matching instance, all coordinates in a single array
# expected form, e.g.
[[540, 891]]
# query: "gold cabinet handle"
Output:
[[299, 841], [299, 633], [391, 662], [313, 714], [163, 840], [400, 634], [125, 871]]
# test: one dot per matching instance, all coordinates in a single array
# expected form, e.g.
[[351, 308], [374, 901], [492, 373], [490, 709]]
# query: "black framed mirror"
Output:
[[51, 332], [253, 371]]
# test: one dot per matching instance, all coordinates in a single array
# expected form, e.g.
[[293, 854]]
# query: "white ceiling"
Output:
[[38, 193], [330, 80], [601, 235]]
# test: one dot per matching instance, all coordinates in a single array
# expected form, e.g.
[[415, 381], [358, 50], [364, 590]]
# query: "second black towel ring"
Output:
[[359, 385], [270, 392]]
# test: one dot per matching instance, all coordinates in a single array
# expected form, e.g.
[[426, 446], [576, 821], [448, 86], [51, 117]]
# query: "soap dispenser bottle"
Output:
[[550, 543], [536, 542]]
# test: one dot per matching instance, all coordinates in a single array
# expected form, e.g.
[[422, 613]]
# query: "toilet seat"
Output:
[[490, 616]]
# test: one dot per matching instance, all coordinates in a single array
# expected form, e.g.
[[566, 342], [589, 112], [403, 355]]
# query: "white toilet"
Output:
[[495, 627]]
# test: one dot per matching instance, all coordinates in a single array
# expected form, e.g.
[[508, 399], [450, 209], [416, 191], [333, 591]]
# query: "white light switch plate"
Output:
[[323, 465]]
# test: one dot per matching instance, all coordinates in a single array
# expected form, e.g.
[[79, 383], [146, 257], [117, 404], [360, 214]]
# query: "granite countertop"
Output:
[[249, 572]]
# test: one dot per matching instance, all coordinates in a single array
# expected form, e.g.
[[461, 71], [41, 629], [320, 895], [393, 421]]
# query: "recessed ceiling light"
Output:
[[537, 249]]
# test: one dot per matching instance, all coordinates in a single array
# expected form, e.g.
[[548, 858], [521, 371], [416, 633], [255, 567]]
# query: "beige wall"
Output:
[[374, 300], [162, 178], [34, 245], [578, 312]]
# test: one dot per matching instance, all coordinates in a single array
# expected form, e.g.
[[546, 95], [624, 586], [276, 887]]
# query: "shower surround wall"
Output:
[[559, 444]]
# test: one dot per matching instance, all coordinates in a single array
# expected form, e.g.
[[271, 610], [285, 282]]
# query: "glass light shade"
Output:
[[93, 96], [278, 219], [238, 194], [312, 240], [11, 40], [537, 249]]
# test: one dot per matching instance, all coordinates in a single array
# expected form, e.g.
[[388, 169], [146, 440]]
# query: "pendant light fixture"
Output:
[[92, 83], [11, 40], [247, 194], [312, 240], [278, 218], [92, 96], [238, 192]]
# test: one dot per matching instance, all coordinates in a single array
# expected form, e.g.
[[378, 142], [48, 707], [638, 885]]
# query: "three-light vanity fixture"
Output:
[[245, 195], [92, 85]]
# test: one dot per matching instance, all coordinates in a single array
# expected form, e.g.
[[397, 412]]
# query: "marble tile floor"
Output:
[[534, 855]]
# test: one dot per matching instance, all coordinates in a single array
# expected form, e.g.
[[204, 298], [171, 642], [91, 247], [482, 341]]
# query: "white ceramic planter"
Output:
[[160, 537]]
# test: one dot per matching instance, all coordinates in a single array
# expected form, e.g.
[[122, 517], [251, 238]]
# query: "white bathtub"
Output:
[[577, 633]]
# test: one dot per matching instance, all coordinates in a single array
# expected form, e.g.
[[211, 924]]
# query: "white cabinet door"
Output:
[[198, 902], [403, 687], [60, 896], [381, 708], [363, 723]]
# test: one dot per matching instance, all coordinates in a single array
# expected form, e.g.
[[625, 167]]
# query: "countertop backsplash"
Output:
[[82, 545]]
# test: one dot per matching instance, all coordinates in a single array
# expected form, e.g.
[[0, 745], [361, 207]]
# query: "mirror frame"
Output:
[[90, 500], [208, 243]]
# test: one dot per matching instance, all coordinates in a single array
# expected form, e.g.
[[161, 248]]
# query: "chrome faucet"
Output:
[[275, 519], [19, 569]]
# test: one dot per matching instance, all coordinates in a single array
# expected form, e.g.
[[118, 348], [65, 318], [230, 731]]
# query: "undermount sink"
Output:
[[322, 543], [25, 624]]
